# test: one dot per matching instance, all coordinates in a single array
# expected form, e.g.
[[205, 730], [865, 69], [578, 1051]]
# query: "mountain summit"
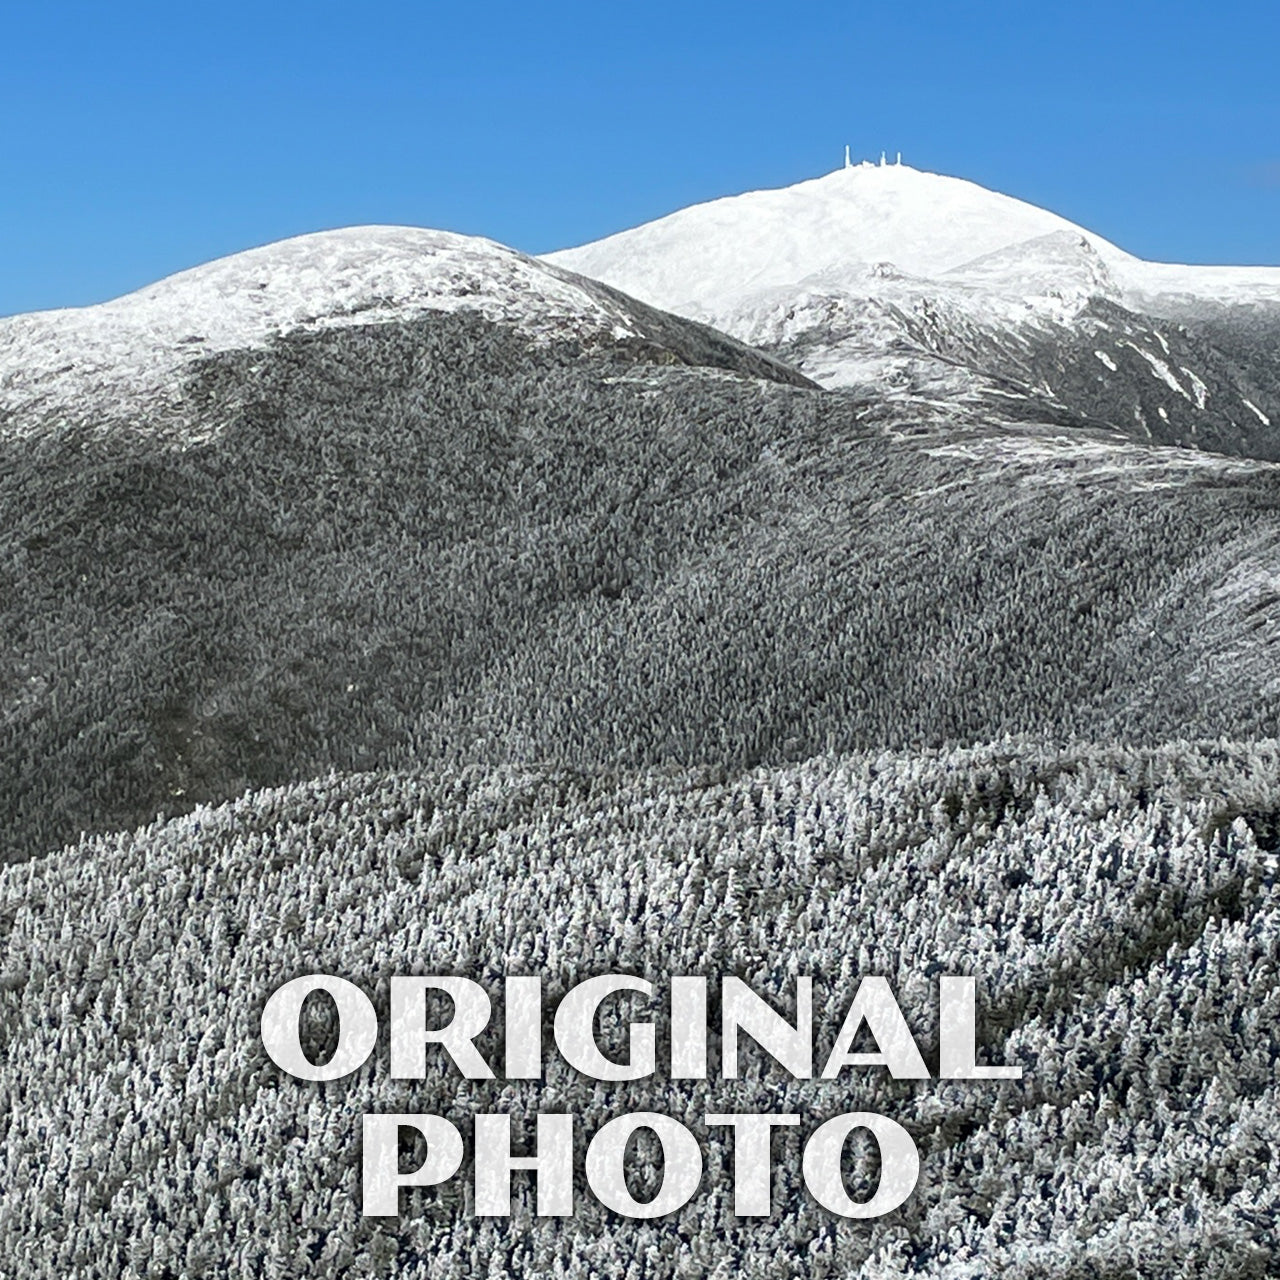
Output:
[[141, 350], [930, 287], [708, 257]]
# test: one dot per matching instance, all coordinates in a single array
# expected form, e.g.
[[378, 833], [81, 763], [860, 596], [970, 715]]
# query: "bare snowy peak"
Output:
[[1061, 264], [353, 274], [137, 347], [702, 259]]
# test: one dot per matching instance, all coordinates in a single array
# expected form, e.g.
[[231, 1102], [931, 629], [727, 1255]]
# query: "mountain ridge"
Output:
[[135, 352]]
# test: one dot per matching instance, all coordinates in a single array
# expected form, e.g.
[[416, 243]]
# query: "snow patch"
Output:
[[1198, 388], [1262, 417], [1160, 370], [1058, 460], [1107, 360]]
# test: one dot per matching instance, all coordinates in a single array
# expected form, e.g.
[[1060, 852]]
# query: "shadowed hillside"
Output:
[[429, 541]]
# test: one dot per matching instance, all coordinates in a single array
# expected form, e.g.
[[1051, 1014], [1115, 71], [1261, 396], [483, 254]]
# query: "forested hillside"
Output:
[[1119, 908], [429, 541]]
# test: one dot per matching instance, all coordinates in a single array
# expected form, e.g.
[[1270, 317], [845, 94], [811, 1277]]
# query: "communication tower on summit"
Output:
[[884, 158]]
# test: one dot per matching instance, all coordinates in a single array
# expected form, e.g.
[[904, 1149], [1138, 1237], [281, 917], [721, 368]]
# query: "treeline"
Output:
[[430, 543], [1118, 907]]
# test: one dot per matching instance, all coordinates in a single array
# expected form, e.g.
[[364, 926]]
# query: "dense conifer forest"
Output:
[[1120, 908]]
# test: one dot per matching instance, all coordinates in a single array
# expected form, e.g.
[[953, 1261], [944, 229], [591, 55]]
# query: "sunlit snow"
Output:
[[847, 264], [712, 256], [878, 275], [140, 345], [1161, 370]]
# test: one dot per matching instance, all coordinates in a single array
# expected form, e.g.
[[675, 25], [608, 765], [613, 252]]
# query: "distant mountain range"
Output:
[[875, 575]]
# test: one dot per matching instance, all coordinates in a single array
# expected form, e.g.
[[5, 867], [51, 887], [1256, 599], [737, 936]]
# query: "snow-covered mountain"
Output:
[[137, 352], [711, 257], [931, 286], [908, 284]]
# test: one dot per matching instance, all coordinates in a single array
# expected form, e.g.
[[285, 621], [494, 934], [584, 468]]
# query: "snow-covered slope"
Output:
[[135, 349], [705, 260], [913, 284]]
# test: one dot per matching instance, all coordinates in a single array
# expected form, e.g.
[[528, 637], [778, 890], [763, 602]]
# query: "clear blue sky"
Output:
[[138, 139]]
